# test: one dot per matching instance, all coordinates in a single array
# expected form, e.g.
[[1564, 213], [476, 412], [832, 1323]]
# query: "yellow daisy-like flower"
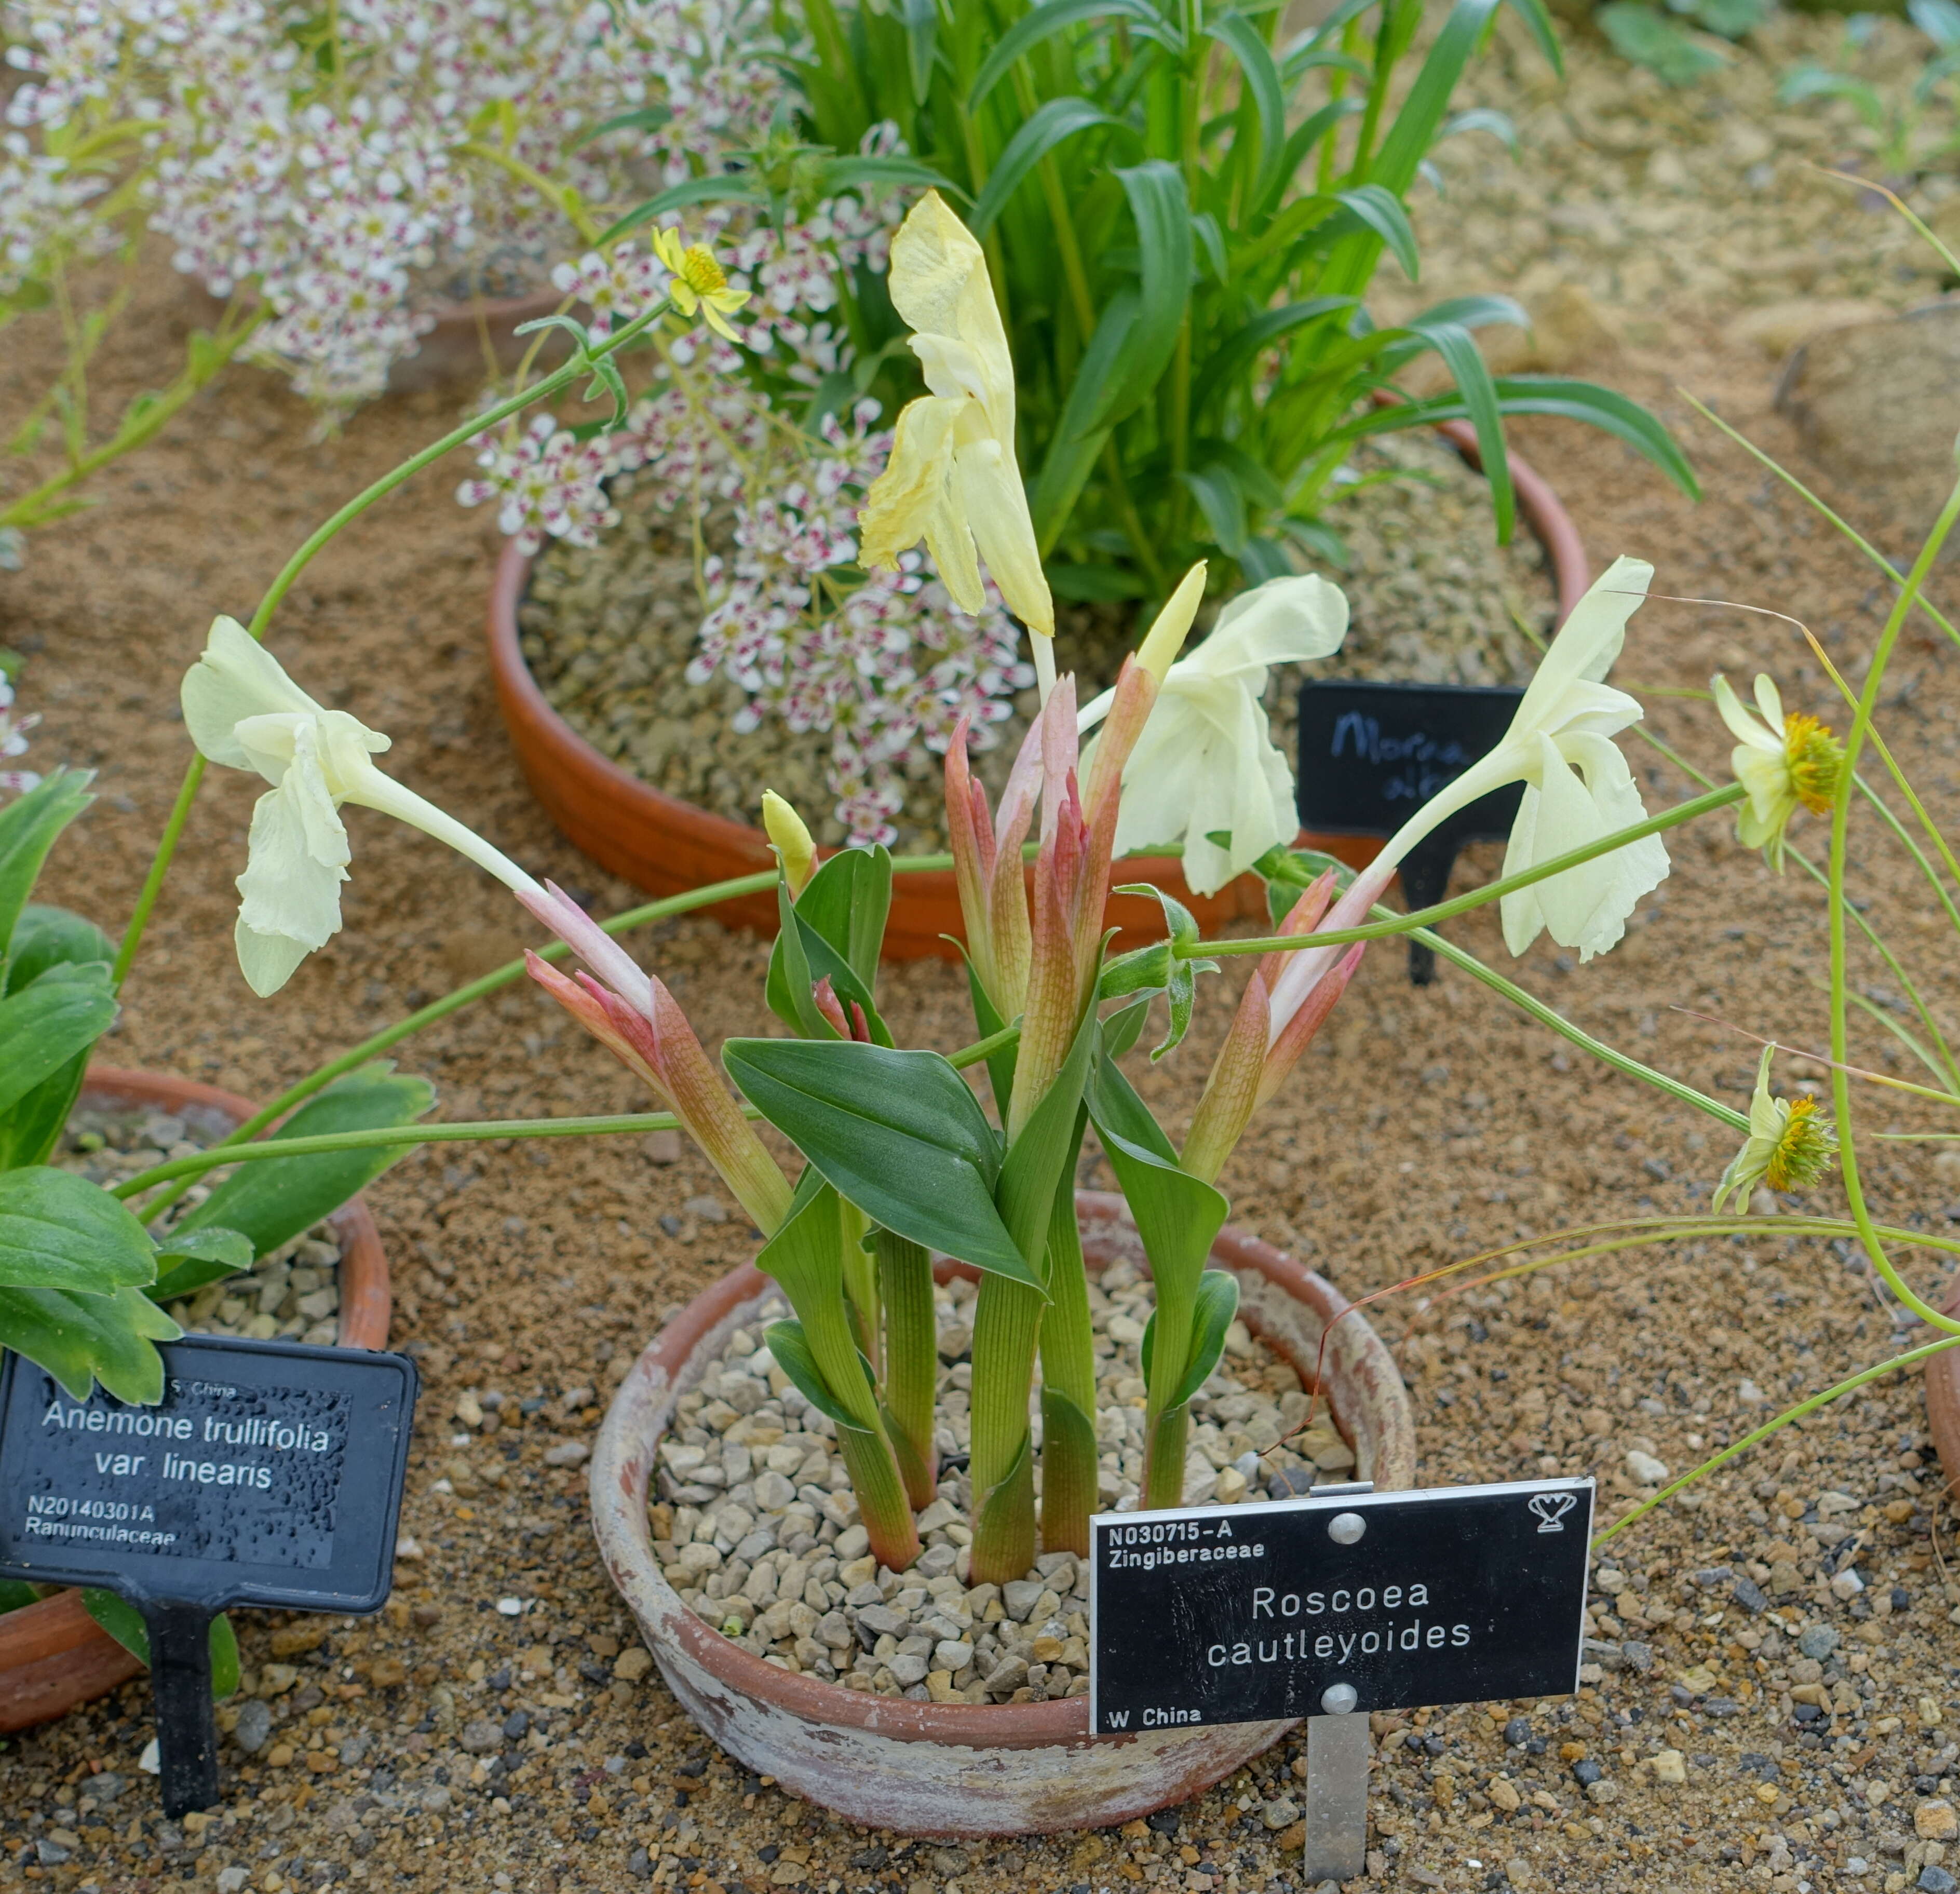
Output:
[[699, 282], [1785, 763], [1789, 1147]]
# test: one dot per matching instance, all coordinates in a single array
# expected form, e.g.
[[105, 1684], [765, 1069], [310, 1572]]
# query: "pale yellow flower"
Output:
[[953, 479], [1789, 1147], [1785, 763], [242, 711], [1206, 762], [698, 282]]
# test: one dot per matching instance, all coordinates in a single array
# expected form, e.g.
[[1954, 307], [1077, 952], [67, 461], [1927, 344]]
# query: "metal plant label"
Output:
[[1336, 1603], [270, 1473]]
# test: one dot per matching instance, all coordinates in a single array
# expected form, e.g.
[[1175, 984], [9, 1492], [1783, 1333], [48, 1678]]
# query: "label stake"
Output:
[[187, 1718]]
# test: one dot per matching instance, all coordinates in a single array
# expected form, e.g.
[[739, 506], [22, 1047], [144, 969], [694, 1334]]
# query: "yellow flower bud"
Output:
[[790, 840]]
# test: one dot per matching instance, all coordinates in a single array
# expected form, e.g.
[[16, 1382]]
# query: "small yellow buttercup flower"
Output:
[[699, 282], [1785, 763], [1789, 1147]]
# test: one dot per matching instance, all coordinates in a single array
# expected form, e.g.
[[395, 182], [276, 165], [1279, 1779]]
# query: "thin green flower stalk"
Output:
[[1841, 813], [911, 1361], [584, 362]]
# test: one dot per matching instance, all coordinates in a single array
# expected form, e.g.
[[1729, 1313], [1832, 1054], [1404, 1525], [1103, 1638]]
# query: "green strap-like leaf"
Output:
[[1039, 134], [899, 1134], [1263, 85], [722, 187], [1043, 23], [1162, 212], [1460, 354], [1382, 210]]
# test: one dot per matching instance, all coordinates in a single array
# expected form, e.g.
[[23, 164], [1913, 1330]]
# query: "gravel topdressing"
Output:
[[757, 1530]]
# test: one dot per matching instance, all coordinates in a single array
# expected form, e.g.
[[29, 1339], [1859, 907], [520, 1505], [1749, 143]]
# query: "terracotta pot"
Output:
[[53, 1656], [961, 1769], [667, 846], [1942, 1399]]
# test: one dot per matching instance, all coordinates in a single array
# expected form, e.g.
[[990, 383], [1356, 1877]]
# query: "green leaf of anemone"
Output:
[[124, 1622], [49, 1023], [275, 1200], [28, 827], [59, 1231], [82, 1339]]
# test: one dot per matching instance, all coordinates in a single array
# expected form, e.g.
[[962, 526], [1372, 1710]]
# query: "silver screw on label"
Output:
[[1345, 1528], [1338, 1698]]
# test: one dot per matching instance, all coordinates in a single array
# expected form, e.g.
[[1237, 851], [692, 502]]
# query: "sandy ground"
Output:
[[1429, 1125]]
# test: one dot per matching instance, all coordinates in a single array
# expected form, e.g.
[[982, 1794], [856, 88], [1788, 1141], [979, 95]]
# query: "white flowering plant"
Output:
[[892, 1155]]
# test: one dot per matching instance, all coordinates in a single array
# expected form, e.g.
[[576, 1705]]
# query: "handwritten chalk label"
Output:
[[1344, 1602], [238, 1487], [1371, 755]]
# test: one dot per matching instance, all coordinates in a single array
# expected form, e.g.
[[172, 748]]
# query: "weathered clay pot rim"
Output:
[[577, 784], [53, 1656], [1942, 1397], [619, 1516]]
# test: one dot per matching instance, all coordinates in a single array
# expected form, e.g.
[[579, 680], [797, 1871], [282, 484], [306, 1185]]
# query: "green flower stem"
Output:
[[1911, 1359], [1006, 1328], [381, 1136], [1914, 998], [1397, 923], [911, 1360], [1840, 818], [1598, 1048], [321, 535], [28, 509], [1069, 1456], [1817, 506]]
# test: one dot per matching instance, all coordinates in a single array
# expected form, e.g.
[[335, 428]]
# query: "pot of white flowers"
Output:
[[964, 1769]]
